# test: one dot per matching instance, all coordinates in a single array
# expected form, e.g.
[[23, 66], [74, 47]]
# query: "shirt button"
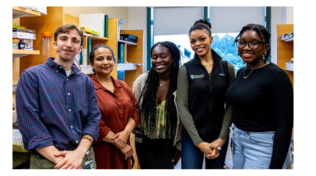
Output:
[[77, 142], [60, 67], [72, 126], [56, 70], [67, 79], [69, 109], [68, 93]]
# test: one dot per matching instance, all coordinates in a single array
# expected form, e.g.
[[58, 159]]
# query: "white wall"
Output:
[[290, 15], [137, 20], [112, 12]]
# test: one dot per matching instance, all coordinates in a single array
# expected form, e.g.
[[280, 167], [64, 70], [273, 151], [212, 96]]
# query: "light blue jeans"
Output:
[[253, 150]]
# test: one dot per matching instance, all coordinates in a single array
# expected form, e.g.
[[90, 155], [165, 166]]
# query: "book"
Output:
[[122, 53], [90, 31], [106, 26], [88, 49], [121, 75], [81, 57]]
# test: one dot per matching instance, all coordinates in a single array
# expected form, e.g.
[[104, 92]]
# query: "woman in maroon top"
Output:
[[119, 112]]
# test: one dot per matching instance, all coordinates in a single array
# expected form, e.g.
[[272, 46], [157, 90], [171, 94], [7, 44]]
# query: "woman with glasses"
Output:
[[262, 101], [202, 83]]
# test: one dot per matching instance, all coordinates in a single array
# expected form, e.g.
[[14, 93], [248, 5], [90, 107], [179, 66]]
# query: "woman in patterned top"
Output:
[[158, 142]]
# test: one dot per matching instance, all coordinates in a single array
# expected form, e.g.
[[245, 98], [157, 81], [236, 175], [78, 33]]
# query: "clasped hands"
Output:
[[211, 150], [120, 140]]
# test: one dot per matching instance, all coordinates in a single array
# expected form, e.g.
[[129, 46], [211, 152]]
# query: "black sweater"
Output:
[[264, 102]]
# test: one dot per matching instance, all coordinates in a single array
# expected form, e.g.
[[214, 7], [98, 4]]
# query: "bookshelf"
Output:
[[17, 13], [21, 53], [285, 50], [133, 54], [23, 12], [55, 17]]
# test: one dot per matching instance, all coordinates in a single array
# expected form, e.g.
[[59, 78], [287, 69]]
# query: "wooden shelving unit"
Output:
[[24, 12], [127, 42], [21, 53], [17, 13], [134, 54], [285, 49]]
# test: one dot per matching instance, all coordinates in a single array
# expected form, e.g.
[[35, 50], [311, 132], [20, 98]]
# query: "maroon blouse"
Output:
[[116, 109]]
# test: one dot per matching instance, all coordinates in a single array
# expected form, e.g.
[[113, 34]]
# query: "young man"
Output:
[[57, 108]]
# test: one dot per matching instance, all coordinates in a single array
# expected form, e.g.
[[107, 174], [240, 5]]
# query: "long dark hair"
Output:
[[263, 33], [149, 92]]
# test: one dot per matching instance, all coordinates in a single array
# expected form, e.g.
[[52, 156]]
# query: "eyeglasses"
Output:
[[253, 44]]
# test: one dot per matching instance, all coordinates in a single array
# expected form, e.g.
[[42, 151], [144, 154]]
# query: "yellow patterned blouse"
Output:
[[158, 130]]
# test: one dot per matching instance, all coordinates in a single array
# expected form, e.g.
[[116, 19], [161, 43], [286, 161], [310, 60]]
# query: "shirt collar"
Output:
[[98, 85], [52, 64]]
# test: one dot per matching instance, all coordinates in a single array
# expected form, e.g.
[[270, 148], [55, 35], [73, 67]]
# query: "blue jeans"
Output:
[[253, 150], [192, 157]]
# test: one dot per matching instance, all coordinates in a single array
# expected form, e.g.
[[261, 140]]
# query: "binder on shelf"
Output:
[[81, 57], [93, 21], [90, 31], [88, 49], [106, 26], [121, 75], [122, 53]]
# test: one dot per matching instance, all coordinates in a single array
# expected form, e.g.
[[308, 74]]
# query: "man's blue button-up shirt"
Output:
[[54, 109]]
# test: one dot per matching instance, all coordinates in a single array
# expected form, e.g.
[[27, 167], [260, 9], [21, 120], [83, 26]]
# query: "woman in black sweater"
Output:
[[262, 101]]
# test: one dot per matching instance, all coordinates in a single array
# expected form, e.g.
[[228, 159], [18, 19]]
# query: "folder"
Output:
[[122, 53], [106, 26], [93, 21], [89, 49]]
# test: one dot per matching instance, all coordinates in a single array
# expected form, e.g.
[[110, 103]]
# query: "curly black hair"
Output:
[[149, 92], [263, 33]]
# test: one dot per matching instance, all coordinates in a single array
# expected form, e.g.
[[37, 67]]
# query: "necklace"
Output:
[[245, 77], [161, 84]]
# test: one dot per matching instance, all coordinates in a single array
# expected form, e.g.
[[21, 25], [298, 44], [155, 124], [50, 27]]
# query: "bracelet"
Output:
[[87, 137]]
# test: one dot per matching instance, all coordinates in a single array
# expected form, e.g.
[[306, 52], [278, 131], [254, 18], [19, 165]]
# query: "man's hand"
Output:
[[72, 159], [120, 139], [176, 157], [127, 151]]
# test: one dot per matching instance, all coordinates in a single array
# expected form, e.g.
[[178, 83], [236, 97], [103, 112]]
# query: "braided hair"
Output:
[[201, 24], [263, 33], [149, 92]]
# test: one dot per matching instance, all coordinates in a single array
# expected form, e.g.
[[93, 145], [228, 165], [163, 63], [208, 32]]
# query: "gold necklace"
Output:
[[163, 83], [245, 77]]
